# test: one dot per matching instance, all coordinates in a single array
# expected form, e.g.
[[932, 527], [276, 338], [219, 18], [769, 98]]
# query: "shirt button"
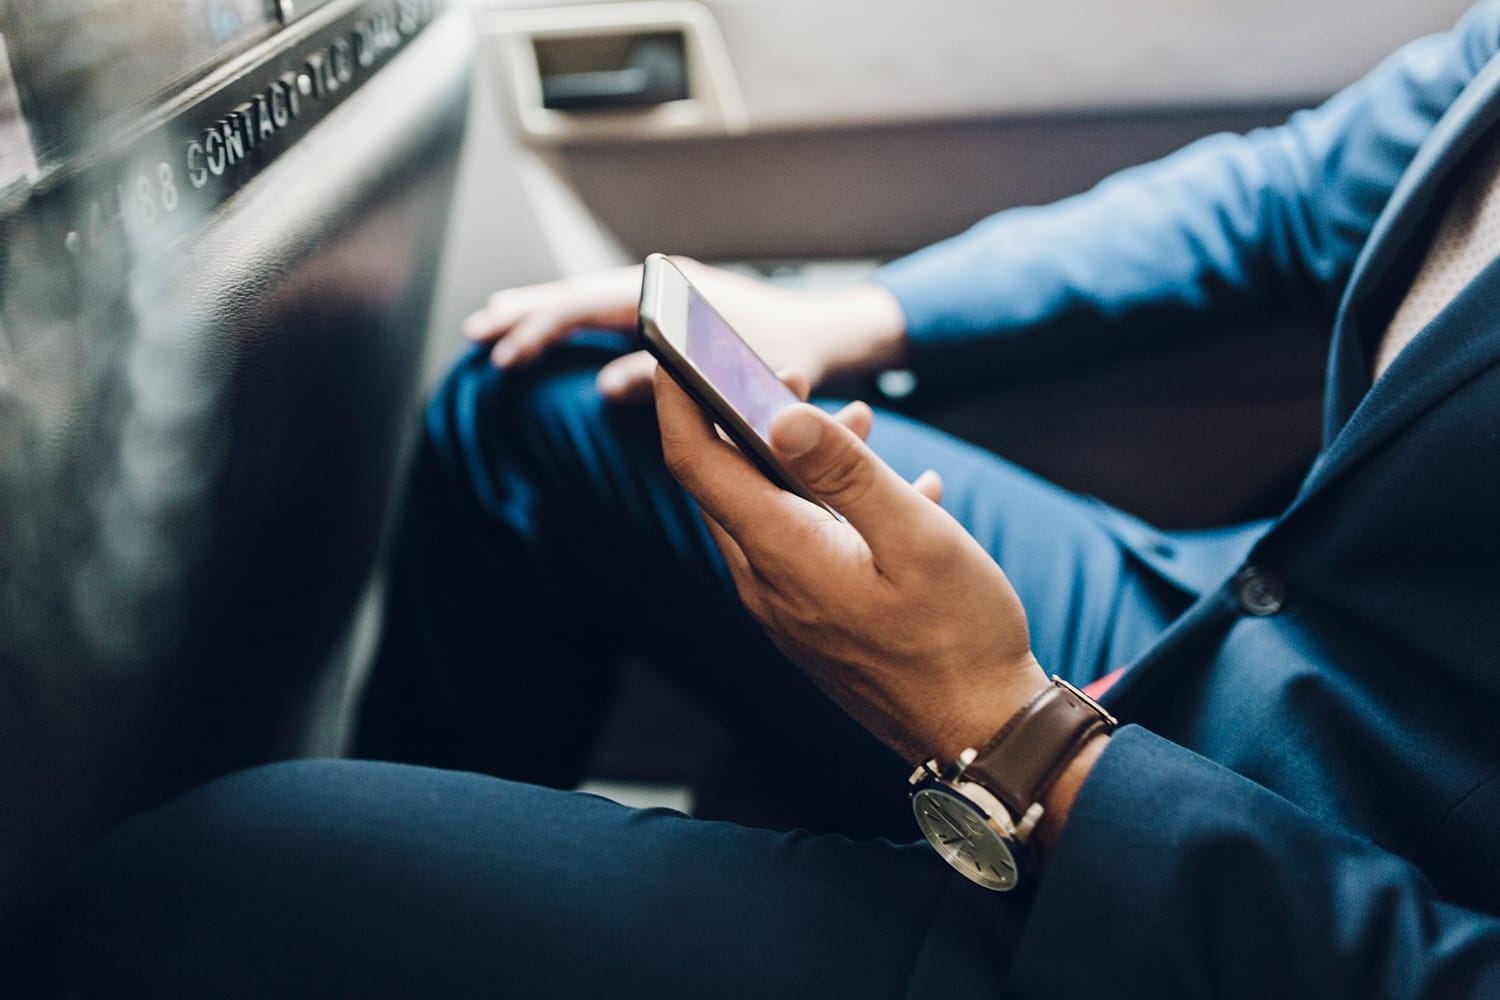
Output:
[[1259, 591]]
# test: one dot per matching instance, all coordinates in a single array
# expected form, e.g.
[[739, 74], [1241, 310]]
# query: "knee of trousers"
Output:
[[484, 427]]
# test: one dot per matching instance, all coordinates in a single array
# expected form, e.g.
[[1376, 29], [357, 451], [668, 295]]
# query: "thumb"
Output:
[[838, 468]]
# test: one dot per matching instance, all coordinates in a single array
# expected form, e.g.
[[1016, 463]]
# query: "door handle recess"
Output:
[[656, 73], [627, 70]]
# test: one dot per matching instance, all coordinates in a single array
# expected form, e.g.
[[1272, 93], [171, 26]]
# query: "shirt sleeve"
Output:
[[1238, 226], [1176, 877]]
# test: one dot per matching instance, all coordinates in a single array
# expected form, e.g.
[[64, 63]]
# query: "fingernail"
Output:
[[797, 432], [501, 358], [609, 382]]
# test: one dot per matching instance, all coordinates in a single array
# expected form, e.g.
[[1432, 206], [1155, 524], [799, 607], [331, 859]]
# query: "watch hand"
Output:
[[947, 820], [951, 821]]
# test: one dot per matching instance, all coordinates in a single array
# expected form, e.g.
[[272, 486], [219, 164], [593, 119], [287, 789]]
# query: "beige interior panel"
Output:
[[867, 191], [810, 63]]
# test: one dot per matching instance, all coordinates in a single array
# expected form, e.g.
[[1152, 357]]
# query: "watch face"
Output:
[[964, 839]]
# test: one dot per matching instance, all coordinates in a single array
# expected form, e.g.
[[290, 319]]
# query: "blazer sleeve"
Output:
[[1242, 226], [1178, 878]]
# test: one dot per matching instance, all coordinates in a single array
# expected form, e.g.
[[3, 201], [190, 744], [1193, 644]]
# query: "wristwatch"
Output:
[[979, 811]]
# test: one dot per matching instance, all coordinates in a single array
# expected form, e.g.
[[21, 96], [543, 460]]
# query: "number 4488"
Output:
[[137, 201]]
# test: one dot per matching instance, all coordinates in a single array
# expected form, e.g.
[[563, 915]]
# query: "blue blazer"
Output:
[[1307, 801]]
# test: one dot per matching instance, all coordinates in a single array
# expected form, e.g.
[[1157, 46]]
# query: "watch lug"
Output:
[[1088, 700], [924, 772], [964, 760], [1029, 821]]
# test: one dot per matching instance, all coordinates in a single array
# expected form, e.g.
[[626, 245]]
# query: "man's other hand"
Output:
[[818, 333], [897, 614]]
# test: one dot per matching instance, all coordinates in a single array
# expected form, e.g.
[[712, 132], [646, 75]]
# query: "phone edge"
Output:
[[686, 375]]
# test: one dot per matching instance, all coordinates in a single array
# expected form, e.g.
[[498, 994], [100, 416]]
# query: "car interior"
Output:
[[238, 239]]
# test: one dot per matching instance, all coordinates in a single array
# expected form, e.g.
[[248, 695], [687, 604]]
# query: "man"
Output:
[[1304, 793]]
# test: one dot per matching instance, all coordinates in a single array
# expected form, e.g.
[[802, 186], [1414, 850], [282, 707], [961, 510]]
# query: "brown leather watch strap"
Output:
[[1025, 757]]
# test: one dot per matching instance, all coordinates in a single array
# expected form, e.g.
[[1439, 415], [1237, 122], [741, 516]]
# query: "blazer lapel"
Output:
[[1463, 341], [1390, 243]]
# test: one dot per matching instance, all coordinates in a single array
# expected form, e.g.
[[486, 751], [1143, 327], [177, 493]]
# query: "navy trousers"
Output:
[[543, 542]]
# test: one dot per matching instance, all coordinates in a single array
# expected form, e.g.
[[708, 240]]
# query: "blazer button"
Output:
[[1259, 591]]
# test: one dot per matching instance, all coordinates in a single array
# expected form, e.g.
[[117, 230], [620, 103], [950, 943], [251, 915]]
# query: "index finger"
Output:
[[726, 484]]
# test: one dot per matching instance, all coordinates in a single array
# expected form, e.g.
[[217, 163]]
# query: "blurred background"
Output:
[[237, 238]]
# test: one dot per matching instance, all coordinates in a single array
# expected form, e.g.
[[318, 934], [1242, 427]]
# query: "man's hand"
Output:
[[818, 333], [898, 614]]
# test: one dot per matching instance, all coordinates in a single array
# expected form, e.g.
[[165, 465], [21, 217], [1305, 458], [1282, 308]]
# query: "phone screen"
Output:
[[733, 368]]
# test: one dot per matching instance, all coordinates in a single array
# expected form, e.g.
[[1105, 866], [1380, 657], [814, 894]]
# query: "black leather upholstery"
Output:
[[197, 458]]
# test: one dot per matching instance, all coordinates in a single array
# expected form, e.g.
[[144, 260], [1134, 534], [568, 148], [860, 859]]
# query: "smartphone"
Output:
[[714, 365]]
